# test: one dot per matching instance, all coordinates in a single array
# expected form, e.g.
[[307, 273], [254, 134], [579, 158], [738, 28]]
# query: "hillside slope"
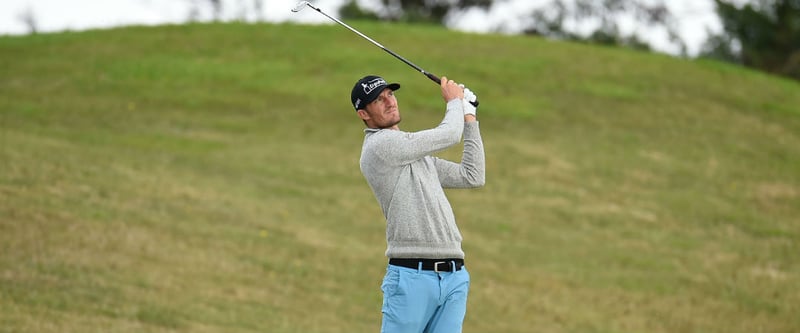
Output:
[[204, 178]]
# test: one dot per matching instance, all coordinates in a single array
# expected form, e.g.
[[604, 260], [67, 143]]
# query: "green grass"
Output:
[[204, 178]]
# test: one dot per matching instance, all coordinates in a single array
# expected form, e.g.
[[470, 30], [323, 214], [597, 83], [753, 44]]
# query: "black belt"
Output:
[[436, 265]]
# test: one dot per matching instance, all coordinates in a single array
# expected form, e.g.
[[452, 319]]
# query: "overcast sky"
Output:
[[696, 17]]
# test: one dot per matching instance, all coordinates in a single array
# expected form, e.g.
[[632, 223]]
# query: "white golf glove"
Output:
[[470, 97]]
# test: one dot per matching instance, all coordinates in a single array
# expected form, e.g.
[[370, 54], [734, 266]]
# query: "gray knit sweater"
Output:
[[409, 183]]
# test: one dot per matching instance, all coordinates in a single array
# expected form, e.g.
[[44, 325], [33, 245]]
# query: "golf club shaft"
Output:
[[431, 76]]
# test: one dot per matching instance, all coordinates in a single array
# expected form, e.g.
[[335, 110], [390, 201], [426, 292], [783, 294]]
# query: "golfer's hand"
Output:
[[451, 90], [469, 95], [470, 108]]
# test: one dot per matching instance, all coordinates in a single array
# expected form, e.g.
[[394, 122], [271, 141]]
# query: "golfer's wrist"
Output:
[[454, 103]]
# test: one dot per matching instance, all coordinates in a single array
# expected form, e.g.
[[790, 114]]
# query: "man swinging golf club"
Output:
[[426, 283]]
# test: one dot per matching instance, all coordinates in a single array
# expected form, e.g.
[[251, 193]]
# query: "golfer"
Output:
[[426, 283]]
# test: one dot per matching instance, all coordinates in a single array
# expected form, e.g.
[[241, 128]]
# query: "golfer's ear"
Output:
[[363, 114]]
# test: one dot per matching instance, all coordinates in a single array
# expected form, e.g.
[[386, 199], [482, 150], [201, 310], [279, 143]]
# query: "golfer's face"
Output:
[[383, 111]]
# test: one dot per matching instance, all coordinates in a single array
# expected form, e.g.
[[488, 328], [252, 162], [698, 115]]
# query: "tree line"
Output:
[[761, 34]]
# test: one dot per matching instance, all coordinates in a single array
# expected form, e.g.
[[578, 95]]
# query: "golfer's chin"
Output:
[[391, 122]]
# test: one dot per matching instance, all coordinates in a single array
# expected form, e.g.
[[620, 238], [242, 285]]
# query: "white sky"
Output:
[[695, 16]]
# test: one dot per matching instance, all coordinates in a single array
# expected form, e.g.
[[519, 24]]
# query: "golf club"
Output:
[[302, 4]]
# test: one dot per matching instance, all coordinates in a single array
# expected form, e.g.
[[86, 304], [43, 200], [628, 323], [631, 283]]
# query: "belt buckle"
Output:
[[436, 266]]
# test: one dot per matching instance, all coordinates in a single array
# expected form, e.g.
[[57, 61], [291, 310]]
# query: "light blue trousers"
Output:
[[419, 301]]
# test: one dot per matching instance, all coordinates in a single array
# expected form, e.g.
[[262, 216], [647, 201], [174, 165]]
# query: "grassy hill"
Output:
[[204, 178]]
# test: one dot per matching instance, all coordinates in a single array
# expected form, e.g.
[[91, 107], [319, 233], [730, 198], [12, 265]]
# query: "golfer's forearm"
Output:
[[400, 148], [450, 130], [474, 159], [452, 117]]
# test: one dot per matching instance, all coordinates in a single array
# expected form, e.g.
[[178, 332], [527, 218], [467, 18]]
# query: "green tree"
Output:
[[763, 34], [427, 11], [550, 21], [351, 10]]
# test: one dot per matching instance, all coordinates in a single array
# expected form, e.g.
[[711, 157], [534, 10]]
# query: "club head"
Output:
[[300, 5]]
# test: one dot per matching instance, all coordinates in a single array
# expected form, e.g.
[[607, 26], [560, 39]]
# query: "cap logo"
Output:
[[372, 85]]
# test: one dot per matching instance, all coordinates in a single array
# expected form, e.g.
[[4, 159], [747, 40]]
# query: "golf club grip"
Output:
[[433, 78], [436, 79]]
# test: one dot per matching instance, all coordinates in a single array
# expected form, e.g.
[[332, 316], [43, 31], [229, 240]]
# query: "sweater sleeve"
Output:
[[401, 148], [471, 172]]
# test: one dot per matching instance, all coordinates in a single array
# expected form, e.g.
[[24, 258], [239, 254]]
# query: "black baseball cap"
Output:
[[368, 89]]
